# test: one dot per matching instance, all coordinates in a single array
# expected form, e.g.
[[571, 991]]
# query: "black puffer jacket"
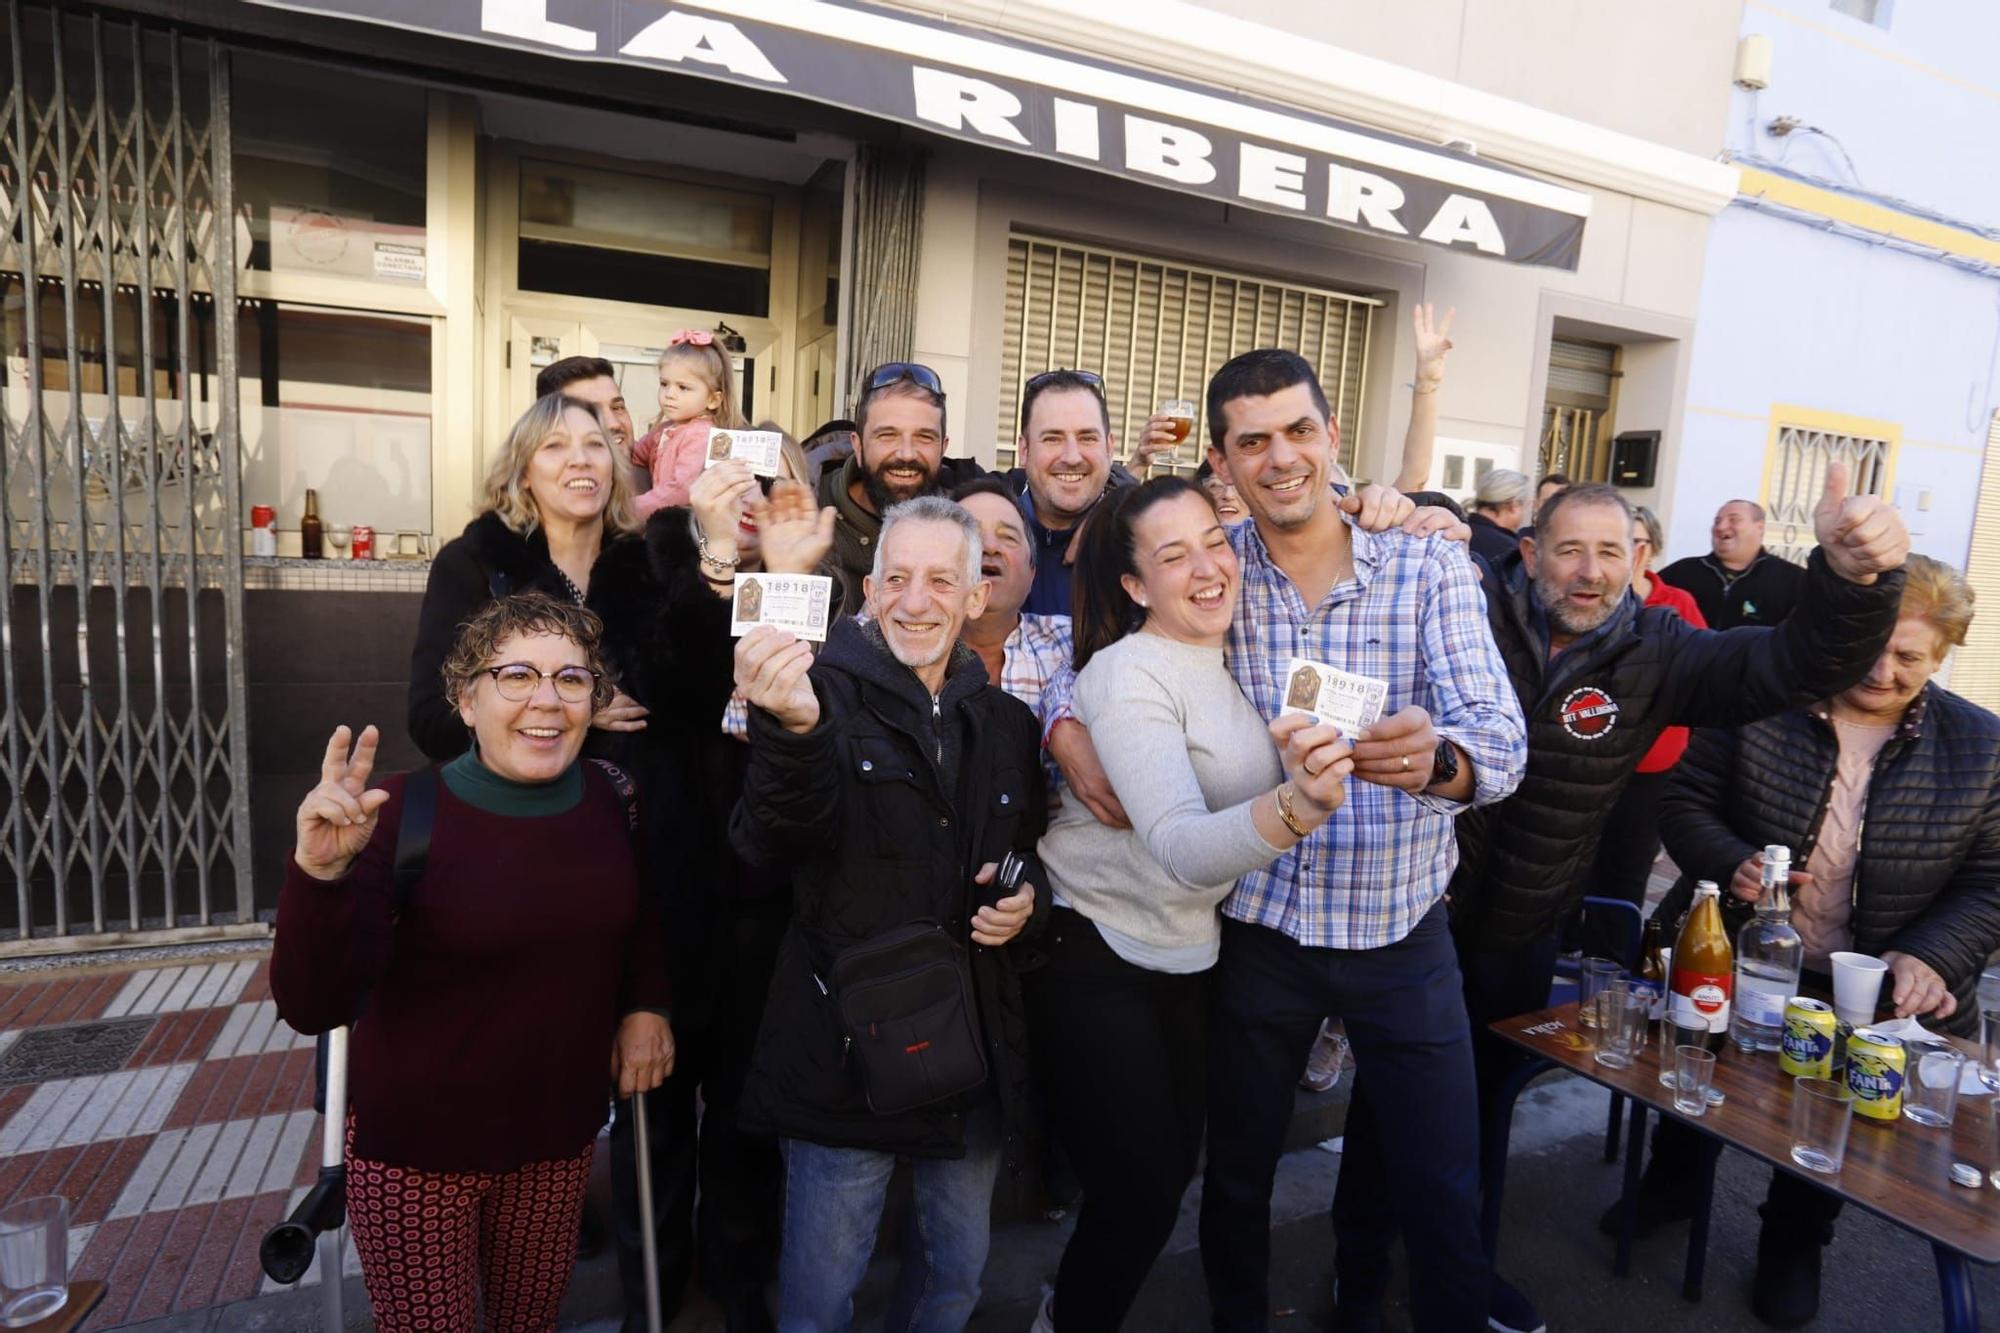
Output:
[[885, 811], [1596, 709], [1928, 883]]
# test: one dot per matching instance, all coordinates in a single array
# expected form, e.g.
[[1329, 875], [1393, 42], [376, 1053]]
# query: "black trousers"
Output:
[[1795, 1209], [1122, 1053], [717, 1192], [1416, 1167], [1625, 859]]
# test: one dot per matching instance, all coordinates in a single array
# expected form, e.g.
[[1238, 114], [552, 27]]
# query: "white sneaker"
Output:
[[1323, 1066]]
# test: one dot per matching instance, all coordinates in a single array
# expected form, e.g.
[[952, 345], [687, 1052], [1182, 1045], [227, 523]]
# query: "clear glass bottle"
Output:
[[1769, 954]]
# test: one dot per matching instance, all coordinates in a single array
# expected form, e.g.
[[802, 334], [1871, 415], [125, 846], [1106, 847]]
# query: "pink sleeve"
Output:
[[675, 461]]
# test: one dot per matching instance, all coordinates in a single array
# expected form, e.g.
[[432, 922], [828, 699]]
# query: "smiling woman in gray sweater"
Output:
[[1120, 1014]]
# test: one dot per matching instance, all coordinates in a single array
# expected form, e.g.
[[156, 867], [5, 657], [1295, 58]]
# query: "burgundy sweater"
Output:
[[492, 1003]]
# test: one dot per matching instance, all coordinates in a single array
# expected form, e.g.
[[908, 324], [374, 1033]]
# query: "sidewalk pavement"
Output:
[[172, 1109]]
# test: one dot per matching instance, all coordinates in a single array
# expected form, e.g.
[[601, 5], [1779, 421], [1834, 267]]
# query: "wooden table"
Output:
[[83, 1298], [1898, 1170]]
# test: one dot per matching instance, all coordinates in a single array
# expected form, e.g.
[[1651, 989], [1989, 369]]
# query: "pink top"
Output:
[[1822, 911], [674, 455]]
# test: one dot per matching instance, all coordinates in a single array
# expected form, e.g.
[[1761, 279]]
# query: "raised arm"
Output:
[[1419, 442]]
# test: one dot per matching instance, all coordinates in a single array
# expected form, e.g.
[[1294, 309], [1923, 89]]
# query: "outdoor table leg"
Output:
[[1628, 1202], [1961, 1303], [1494, 1169], [1704, 1201], [1612, 1122]]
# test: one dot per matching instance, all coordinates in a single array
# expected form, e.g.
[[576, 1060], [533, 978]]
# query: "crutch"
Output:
[[320, 1220], [647, 1237]]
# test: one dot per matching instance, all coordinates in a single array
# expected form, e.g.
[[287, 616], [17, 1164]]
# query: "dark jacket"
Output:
[[1596, 709], [1762, 594], [666, 637], [885, 811], [855, 528], [1928, 882], [1049, 594], [1491, 542]]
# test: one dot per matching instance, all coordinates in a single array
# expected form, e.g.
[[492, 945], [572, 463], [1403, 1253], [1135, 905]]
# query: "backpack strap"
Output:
[[627, 789], [413, 835]]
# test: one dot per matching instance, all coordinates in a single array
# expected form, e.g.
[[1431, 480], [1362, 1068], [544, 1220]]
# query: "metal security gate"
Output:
[[124, 808]]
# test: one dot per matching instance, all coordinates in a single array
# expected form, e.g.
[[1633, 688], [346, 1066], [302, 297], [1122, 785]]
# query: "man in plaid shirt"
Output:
[[1351, 922]]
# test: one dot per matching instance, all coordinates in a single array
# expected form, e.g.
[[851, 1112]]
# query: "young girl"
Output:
[[697, 391]]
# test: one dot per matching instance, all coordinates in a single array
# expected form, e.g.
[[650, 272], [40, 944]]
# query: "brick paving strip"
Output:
[[176, 1160]]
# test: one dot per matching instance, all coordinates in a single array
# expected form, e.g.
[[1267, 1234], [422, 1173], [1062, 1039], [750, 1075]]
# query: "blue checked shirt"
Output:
[[1411, 616]]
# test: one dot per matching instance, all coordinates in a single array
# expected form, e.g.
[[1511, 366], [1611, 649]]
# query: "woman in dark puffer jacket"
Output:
[[1889, 797]]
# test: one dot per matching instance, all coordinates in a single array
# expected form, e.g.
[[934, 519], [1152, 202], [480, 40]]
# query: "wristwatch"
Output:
[[1444, 764]]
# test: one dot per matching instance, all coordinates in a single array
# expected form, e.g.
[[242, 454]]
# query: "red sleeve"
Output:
[[1674, 599], [333, 936]]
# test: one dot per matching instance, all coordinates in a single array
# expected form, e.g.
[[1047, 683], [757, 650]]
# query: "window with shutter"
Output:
[[1157, 330], [1975, 671], [1803, 443], [1576, 410]]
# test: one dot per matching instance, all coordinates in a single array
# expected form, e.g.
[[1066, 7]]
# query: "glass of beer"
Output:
[[1179, 413]]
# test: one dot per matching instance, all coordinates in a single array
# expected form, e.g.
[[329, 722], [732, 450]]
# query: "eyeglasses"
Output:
[[517, 681], [894, 372]]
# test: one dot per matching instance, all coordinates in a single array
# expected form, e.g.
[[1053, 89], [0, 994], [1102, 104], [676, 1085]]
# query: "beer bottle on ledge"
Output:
[[1703, 974], [311, 533]]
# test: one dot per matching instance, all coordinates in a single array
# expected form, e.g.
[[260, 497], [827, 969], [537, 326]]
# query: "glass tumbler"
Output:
[[1822, 1111], [1621, 1026], [34, 1260], [1694, 1071], [1592, 975], [1930, 1081]]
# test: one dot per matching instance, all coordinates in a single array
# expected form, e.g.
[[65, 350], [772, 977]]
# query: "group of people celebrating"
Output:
[[1030, 850]]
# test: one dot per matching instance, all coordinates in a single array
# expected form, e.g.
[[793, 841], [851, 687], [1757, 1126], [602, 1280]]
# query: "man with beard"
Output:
[[1598, 677], [1738, 582], [594, 380], [898, 455]]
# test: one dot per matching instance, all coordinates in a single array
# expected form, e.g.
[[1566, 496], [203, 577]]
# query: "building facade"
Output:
[[1851, 304], [327, 245]]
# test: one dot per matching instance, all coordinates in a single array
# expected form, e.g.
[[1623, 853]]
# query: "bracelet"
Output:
[[713, 581], [1284, 794], [701, 548], [1427, 386]]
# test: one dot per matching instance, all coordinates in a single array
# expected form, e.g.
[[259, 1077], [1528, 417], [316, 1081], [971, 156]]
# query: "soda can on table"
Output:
[[1875, 1064], [364, 542], [1806, 1048]]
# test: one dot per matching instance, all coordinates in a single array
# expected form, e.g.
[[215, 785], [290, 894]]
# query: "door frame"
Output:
[[600, 321]]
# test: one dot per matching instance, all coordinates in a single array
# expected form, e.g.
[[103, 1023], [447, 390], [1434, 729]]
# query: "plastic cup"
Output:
[[1592, 976], [1694, 1071], [1621, 1026], [1930, 1081], [1822, 1111], [1857, 985], [34, 1260]]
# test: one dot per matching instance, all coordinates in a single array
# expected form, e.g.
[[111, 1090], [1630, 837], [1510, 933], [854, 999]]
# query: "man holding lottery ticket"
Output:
[[1350, 921]]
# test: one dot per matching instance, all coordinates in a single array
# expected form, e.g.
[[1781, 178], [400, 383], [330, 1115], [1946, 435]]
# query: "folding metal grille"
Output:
[[123, 754], [1157, 330]]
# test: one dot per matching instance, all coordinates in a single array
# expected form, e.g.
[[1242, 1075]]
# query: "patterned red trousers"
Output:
[[434, 1243]]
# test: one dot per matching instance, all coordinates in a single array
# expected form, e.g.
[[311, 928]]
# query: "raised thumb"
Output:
[[1836, 485]]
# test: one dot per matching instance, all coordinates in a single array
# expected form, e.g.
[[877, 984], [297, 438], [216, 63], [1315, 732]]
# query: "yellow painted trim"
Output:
[[1837, 423], [1731, 413], [1872, 217], [1946, 447], [1870, 48]]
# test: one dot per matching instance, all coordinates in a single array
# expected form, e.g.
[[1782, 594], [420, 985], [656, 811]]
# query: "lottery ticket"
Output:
[[760, 449], [795, 603], [1326, 694]]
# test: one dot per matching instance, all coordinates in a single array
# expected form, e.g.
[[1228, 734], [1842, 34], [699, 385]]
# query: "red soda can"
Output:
[[364, 542], [262, 516]]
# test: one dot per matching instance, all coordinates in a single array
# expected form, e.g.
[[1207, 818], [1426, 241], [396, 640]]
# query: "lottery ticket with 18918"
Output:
[[760, 449], [1327, 694], [795, 603]]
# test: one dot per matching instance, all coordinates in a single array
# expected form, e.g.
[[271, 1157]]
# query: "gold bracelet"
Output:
[[1284, 794]]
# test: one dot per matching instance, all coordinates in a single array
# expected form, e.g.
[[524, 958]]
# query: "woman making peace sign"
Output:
[[525, 952]]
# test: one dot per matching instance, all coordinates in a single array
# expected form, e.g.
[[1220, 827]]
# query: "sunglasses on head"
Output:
[[1090, 377], [894, 372]]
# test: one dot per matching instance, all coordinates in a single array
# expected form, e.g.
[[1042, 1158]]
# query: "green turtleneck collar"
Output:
[[481, 788]]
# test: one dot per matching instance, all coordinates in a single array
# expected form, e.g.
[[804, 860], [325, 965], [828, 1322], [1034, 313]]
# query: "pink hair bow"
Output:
[[698, 337]]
